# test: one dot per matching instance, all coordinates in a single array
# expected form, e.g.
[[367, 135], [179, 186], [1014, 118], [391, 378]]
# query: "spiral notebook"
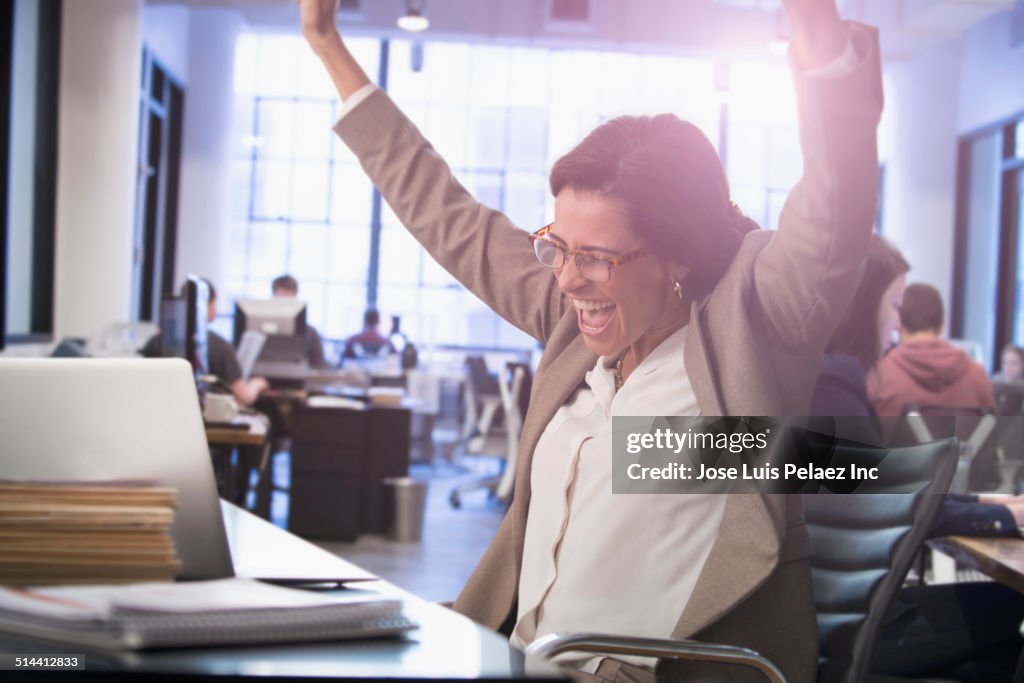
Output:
[[198, 613]]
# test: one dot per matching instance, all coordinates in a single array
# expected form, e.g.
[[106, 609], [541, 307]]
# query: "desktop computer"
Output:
[[282, 359], [183, 326]]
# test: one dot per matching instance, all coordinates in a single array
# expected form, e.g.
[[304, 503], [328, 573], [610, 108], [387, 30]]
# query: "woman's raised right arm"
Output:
[[478, 245], [320, 29]]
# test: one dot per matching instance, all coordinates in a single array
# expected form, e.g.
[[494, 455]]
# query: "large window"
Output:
[[763, 143], [300, 202], [500, 116]]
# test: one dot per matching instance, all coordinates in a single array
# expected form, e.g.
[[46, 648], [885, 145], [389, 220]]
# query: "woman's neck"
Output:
[[636, 352]]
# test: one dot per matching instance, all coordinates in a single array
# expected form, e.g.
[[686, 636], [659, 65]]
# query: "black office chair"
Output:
[[862, 549], [1009, 435], [860, 554]]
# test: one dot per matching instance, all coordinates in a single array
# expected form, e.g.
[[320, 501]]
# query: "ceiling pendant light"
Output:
[[413, 19]]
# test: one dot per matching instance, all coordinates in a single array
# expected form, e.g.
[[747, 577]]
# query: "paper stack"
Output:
[[85, 532], [386, 396]]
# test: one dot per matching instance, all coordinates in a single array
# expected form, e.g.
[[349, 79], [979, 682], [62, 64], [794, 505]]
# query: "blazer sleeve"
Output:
[[478, 245], [962, 517], [806, 276]]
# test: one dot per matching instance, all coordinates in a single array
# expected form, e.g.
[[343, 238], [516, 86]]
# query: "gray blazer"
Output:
[[752, 346]]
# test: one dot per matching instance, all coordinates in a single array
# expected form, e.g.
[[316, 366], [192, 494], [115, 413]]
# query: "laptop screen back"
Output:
[[100, 419]]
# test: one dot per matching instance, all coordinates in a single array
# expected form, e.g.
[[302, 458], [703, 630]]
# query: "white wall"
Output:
[[165, 33], [993, 74], [204, 208], [920, 191], [96, 180], [98, 137]]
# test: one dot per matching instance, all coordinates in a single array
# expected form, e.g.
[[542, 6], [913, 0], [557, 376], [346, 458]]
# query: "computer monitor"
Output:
[[282, 320], [174, 327], [196, 296]]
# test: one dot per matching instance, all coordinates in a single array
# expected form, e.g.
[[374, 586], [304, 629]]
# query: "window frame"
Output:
[[1006, 300]]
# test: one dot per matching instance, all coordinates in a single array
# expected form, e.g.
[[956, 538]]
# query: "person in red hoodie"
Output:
[[924, 369]]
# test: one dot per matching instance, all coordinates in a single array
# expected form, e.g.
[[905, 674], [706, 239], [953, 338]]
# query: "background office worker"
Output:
[[288, 287], [958, 630], [926, 369], [663, 301], [1011, 365], [220, 357], [369, 342]]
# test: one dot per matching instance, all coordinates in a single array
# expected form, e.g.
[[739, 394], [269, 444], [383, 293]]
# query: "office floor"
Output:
[[453, 540]]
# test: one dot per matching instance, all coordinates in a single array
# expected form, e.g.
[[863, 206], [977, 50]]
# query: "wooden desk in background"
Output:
[[251, 439], [1000, 558]]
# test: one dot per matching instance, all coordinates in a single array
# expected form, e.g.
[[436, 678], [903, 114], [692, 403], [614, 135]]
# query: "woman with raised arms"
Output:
[[652, 295]]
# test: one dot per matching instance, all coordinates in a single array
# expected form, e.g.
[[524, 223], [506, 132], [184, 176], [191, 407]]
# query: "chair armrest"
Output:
[[601, 644]]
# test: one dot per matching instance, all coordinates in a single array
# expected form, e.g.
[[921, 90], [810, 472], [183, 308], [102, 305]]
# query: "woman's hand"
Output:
[[320, 28], [819, 35], [319, 19]]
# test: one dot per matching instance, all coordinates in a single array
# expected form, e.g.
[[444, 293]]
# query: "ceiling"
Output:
[[689, 26]]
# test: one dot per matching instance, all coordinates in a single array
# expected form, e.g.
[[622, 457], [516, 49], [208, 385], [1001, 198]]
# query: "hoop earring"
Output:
[[677, 287]]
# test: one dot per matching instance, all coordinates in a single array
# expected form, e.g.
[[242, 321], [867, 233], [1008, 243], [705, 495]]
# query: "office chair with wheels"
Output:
[[860, 553], [513, 396], [482, 403]]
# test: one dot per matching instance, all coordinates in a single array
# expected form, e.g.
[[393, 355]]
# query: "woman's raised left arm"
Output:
[[806, 275], [819, 34]]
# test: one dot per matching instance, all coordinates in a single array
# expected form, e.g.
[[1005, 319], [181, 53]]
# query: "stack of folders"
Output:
[[219, 612], [85, 532]]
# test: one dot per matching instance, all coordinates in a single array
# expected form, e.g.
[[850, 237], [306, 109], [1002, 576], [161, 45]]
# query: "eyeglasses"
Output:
[[594, 267]]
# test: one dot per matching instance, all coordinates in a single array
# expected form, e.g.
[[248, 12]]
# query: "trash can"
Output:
[[407, 503]]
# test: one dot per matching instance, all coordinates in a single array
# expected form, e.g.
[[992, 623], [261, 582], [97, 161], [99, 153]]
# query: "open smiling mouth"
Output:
[[594, 316]]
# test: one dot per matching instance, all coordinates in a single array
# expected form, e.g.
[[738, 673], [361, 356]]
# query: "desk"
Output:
[[446, 646], [1000, 558], [253, 445], [255, 434]]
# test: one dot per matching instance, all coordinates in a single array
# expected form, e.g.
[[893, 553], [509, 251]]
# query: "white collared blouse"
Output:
[[598, 562]]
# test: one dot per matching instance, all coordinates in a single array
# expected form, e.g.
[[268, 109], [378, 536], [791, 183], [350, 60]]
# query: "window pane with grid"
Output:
[[299, 203]]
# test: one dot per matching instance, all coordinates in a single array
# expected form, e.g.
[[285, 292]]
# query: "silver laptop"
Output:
[[117, 419]]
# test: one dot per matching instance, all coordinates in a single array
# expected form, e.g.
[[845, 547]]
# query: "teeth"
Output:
[[591, 305]]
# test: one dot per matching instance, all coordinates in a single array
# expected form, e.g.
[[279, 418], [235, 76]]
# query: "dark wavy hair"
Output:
[[857, 334], [669, 178]]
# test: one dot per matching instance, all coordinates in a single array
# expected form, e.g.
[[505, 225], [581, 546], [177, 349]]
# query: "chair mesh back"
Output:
[[526, 389], [862, 546], [482, 381]]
